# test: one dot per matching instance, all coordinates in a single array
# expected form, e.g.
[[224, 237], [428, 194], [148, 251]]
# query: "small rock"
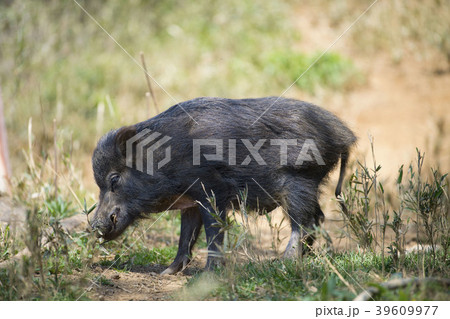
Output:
[[312, 289]]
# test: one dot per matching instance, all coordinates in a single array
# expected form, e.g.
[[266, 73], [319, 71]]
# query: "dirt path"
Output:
[[140, 283]]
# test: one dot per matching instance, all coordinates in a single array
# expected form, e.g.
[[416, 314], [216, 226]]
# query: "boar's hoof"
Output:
[[214, 262], [169, 271], [177, 265]]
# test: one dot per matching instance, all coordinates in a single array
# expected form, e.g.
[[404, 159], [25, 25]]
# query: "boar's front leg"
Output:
[[191, 224]]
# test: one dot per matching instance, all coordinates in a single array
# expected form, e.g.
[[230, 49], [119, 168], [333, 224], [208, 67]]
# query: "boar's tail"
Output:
[[344, 159]]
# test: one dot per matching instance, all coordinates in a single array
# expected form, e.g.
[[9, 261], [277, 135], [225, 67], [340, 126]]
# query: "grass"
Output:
[[6, 243], [314, 280], [141, 256], [16, 289], [422, 207], [59, 267]]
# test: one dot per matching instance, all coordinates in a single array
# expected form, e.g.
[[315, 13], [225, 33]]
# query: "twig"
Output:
[[55, 146], [149, 84], [5, 166], [149, 107], [370, 292], [374, 181], [69, 187], [339, 275], [100, 118], [126, 290], [44, 129], [31, 163]]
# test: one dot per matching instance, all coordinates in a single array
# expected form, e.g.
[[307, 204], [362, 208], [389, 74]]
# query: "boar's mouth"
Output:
[[108, 235], [113, 227]]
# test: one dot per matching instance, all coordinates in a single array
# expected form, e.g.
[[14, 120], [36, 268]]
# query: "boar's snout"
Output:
[[109, 223], [105, 223]]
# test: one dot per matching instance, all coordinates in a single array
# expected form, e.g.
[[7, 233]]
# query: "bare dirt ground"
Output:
[[139, 283]]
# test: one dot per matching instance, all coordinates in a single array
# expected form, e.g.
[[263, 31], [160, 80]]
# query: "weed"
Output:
[[357, 202], [429, 202], [141, 256], [6, 243], [102, 280], [58, 207], [326, 275]]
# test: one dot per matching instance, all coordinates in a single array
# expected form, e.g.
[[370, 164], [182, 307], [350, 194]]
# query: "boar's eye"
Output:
[[113, 181]]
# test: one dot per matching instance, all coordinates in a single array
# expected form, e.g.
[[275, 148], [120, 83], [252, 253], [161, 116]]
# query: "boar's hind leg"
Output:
[[304, 213], [214, 236], [191, 224]]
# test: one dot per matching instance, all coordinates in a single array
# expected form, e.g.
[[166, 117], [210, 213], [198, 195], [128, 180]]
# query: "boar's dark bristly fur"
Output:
[[126, 192]]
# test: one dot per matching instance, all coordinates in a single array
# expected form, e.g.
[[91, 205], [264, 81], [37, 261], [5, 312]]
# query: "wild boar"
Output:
[[277, 150]]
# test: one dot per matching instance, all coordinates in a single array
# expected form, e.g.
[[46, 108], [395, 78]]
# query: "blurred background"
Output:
[[388, 76]]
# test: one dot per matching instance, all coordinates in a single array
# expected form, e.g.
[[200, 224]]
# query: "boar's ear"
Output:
[[122, 136]]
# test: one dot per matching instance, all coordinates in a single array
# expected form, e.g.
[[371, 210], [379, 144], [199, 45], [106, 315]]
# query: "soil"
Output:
[[139, 283]]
